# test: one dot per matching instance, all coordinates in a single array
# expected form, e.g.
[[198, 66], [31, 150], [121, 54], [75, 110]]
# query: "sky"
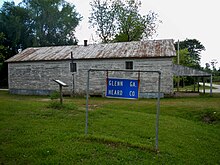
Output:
[[181, 19]]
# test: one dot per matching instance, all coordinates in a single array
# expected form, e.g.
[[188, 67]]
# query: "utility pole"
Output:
[[178, 62], [72, 70]]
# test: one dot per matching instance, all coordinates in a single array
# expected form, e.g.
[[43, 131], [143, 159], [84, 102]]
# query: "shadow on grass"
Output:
[[115, 143]]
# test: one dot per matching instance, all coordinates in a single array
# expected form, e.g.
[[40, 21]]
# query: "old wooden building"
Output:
[[32, 70]]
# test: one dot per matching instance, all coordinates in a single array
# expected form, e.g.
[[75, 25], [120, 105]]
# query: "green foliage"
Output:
[[15, 25], [3, 56], [54, 95], [103, 18], [130, 22], [38, 23], [216, 79], [132, 26], [53, 22], [119, 21], [57, 106], [189, 55], [184, 58], [14, 34], [3, 49], [35, 23], [215, 73], [120, 131], [194, 48]]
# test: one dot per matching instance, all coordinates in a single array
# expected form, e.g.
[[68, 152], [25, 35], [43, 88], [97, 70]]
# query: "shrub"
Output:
[[54, 95]]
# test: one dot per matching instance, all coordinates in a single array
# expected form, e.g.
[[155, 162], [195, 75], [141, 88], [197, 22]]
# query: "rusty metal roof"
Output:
[[137, 49]]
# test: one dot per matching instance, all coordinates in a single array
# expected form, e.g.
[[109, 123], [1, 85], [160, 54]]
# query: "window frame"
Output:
[[74, 67], [129, 65]]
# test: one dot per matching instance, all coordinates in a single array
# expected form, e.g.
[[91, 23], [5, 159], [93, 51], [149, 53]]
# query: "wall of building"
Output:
[[36, 77]]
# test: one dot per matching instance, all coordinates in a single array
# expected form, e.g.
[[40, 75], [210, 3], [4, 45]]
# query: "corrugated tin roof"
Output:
[[179, 70], [137, 49]]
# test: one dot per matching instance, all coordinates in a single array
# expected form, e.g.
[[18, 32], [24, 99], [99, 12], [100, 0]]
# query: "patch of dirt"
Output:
[[45, 100], [185, 94], [210, 117], [93, 107], [207, 119]]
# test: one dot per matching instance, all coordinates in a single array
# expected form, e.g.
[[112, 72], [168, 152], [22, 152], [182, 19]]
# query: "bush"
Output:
[[56, 105], [54, 95]]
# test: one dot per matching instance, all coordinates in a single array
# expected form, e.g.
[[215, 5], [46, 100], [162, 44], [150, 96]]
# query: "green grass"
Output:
[[217, 82], [37, 130]]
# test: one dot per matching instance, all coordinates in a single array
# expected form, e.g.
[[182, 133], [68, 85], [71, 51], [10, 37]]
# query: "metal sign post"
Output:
[[158, 111], [87, 103], [72, 70], [119, 92]]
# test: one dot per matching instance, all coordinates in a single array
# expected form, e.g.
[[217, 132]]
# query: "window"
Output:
[[72, 67], [129, 65]]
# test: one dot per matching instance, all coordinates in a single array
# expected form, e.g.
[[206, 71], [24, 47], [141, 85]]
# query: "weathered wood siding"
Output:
[[36, 77]]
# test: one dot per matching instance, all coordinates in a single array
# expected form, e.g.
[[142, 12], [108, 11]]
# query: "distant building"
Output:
[[32, 70]]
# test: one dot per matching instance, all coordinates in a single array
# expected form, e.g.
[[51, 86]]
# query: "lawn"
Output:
[[37, 130]]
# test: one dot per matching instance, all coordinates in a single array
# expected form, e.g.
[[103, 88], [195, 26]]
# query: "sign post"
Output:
[[61, 84], [125, 88]]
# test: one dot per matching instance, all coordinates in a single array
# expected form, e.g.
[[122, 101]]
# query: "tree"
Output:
[[35, 23], [53, 21], [189, 55], [207, 67], [132, 26], [118, 21], [184, 58], [14, 24], [194, 48], [39, 23], [13, 34], [3, 66], [103, 18], [3, 49], [213, 63]]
